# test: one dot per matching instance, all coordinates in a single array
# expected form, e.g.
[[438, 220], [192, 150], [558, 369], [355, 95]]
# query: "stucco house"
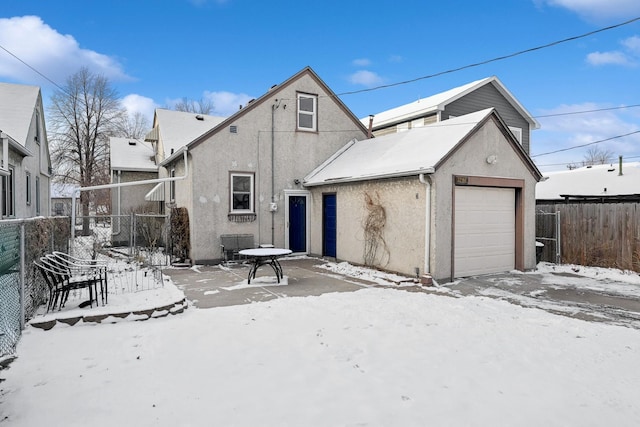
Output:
[[25, 165], [489, 92], [132, 160], [450, 199], [244, 175]]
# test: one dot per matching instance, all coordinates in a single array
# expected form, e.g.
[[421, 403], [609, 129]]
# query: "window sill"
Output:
[[242, 217]]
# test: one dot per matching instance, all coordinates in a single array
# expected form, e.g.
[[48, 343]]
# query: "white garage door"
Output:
[[485, 230]]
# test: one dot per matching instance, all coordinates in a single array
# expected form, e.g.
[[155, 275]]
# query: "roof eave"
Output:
[[402, 174]]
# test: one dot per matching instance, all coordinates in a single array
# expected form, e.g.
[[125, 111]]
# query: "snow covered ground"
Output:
[[375, 357]]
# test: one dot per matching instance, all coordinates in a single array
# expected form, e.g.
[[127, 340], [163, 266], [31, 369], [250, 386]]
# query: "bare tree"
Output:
[[133, 126], [202, 106], [597, 156], [82, 116]]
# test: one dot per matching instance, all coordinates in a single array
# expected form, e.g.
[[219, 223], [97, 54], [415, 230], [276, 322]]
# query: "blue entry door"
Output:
[[298, 223], [329, 225]]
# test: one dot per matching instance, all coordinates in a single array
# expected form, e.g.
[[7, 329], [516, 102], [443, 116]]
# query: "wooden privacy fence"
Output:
[[597, 234]]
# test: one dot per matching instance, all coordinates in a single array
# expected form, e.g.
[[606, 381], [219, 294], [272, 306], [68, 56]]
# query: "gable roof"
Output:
[[416, 151], [17, 104], [439, 101], [129, 154], [179, 128], [589, 181], [264, 98]]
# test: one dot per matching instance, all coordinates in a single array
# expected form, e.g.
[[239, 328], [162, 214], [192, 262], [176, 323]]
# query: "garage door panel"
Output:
[[484, 240]]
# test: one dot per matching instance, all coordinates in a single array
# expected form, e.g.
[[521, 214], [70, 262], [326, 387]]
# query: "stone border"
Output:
[[138, 315]]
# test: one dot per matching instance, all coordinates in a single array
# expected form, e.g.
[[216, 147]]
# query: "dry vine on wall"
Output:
[[375, 247]]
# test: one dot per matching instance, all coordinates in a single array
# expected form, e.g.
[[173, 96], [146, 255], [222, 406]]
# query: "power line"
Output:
[[587, 111], [499, 58], [32, 68], [587, 144], [580, 161]]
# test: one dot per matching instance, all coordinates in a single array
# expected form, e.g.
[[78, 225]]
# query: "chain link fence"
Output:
[[22, 289], [133, 245], [143, 237]]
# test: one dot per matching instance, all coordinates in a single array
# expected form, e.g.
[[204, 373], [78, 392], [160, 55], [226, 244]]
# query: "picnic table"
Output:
[[265, 256]]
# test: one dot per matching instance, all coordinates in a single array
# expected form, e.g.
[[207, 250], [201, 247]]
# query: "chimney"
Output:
[[370, 132], [620, 165]]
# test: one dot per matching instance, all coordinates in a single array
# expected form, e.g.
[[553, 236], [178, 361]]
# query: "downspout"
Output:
[[273, 206], [426, 180], [75, 193]]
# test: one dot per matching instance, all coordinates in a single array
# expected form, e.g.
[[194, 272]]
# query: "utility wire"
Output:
[[587, 144], [499, 58], [587, 111], [32, 68]]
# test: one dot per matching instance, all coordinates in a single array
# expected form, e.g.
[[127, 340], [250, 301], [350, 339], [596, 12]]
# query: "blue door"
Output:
[[298, 223], [329, 228]]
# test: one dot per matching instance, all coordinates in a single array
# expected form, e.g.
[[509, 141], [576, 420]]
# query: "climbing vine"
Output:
[[375, 247]]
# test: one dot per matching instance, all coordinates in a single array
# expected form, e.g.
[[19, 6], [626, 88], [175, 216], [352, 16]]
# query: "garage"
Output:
[[484, 230]]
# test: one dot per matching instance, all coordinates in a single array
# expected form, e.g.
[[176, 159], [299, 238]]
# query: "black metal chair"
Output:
[[86, 268], [54, 281], [71, 279]]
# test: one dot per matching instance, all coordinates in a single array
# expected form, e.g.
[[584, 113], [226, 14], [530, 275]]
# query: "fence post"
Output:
[[558, 242], [22, 256], [132, 218]]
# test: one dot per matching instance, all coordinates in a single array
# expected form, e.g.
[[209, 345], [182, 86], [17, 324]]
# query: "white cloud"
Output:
[[55, 55], [134, 103], [632, 44], [361, 62], [569, 130], [396, 58], [226, 103], [627, 57], [598, 10], [605, 58], [365, 78]]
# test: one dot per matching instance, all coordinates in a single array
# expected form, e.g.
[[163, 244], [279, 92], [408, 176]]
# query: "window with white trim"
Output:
[[37, 195], [8, 189], [172, 186], [28, 184], [307, 112], [241, 193], [517, 132]]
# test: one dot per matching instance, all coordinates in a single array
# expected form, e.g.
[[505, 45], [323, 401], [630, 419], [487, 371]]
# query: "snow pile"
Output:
[[378, 356]]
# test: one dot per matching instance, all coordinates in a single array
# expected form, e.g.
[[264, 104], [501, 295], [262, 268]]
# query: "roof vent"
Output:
[[233, 129], [132, 142], [611, 170], [200, 117], [271, 88]]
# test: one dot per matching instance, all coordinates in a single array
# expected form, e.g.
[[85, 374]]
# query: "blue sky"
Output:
[[156, 52]]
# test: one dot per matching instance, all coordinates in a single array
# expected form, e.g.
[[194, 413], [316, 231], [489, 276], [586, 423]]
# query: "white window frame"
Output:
[[38, 195], [233, 175], [28, 187], [517, 132], [172, 185], [8, 194], [313, 114]]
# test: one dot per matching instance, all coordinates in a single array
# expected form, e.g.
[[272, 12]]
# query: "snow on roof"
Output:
[[598, 180], [62, 191], [17, 104], [132, 155], [178, 128], [438, 102], [399, 154]]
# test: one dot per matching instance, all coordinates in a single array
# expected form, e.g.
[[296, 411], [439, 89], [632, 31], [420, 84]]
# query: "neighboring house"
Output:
[[449, 199], [474, 96], [132, 160], [597, 183], [244, 176], [61, 195], [25, 165]]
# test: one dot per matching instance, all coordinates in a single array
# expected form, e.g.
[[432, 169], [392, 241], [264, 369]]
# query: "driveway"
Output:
[[560, 292]]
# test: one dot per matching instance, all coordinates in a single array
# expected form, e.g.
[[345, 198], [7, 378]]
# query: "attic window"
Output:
[[200, 117], [517, 132], [233, 129]]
